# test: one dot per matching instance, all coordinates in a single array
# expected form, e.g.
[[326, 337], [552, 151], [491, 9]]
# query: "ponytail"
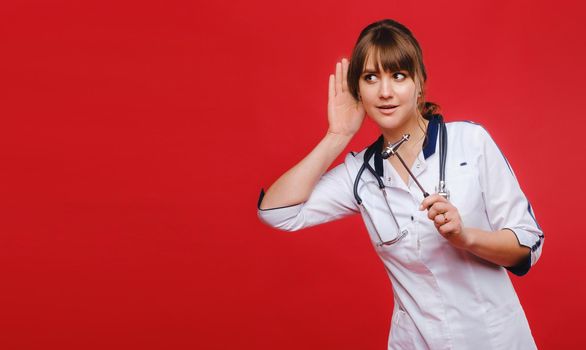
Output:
[[430, 108]]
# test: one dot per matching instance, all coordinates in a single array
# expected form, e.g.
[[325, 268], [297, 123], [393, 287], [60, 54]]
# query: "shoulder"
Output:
[[466, 128], [468, 132], [354, 160], [469, 139], [354, 156]]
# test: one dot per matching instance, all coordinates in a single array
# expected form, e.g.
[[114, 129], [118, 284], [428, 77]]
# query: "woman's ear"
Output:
[[419, 87]]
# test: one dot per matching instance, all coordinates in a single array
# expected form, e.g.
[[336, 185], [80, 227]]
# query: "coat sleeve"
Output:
[[507, 206], [332, 198]]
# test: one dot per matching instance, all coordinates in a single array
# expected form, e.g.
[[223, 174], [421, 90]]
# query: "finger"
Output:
[[344, 74], [432, 212], [440, 220], [338, 78], [331, 91], [447, 228], [430, 200], [436, 209]]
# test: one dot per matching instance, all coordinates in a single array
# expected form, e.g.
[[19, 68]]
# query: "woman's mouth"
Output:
[[387, 109]]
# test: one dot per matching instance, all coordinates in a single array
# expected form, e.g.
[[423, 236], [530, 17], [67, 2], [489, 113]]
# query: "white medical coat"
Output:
[[444, 297]]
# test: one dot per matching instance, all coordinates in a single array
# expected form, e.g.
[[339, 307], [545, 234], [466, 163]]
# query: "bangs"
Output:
[[390, 47], [390, 52]]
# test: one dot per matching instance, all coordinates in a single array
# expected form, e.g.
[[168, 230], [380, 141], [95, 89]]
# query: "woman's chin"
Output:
[[387, 121]]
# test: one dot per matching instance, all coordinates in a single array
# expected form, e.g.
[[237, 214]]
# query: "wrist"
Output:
[[469, 236], [338, 137]]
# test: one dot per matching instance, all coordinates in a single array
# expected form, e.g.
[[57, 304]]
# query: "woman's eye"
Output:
[[399, 75], [367, 76]]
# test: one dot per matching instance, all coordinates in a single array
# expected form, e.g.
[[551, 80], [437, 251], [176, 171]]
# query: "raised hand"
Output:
[[345, 114]]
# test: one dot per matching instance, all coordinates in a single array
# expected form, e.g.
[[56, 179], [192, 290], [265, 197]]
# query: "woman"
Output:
[[446, 256]]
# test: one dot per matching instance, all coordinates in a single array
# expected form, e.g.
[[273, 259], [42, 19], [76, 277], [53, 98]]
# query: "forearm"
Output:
[[296, 184], [499, 247]]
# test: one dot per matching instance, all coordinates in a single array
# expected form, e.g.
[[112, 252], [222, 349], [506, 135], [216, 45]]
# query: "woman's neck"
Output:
[[416, 127]]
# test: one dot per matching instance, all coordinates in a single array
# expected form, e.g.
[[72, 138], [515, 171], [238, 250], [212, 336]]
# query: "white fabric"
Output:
[[445, 298]]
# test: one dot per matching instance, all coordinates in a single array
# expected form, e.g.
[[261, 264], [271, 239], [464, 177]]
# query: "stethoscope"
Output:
[[392, 150]]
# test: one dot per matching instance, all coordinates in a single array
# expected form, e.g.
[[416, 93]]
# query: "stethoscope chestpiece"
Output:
[[442, 190], [446, 194]]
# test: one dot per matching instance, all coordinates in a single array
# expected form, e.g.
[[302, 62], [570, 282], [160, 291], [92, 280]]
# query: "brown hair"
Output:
[[394, 48]]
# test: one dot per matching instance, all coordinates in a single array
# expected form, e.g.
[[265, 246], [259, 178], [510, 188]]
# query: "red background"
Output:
[[135, 138]]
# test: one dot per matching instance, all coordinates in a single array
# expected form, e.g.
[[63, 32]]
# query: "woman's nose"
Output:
[[386, 89]]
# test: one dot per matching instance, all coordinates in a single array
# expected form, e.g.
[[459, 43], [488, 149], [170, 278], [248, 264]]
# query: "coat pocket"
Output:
[[404, 334]]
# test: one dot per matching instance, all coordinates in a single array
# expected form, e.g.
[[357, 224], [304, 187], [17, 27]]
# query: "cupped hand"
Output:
[[345, 114], [447, 220]]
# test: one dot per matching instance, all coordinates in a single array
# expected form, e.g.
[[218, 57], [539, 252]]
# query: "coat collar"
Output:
[[428, 146]]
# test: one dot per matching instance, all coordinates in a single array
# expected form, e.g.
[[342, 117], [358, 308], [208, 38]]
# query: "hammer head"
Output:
[[391, 149]]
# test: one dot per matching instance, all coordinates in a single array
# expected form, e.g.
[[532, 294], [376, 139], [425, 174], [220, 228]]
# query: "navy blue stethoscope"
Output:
[[392, 150]]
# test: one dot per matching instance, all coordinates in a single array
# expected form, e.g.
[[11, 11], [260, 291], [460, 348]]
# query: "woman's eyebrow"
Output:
[[370, 70]]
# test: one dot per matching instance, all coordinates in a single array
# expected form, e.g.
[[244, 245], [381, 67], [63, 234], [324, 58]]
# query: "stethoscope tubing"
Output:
[[366, 166], [443, 144]]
